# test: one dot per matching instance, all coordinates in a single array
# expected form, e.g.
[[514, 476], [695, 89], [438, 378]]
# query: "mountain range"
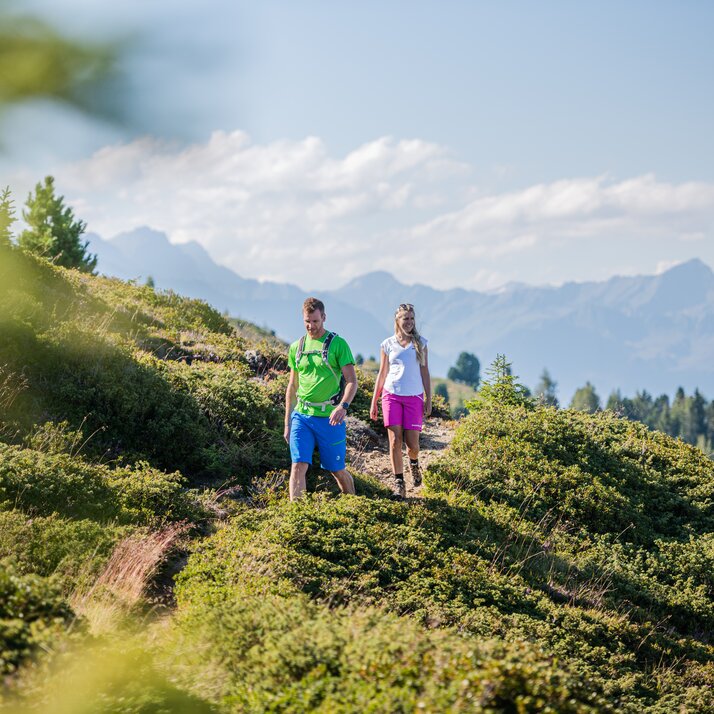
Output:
[[653, 332]]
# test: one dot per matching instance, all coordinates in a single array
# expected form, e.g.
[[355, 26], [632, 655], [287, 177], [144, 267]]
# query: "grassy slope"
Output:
[[560, 562]]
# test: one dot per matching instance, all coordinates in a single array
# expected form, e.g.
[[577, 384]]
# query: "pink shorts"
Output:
[[407, 412]]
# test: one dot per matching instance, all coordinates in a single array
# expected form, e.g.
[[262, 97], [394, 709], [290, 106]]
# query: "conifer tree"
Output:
[[53, 231], [586, 399], [547, 389], [442, 391], [466, 370], [501, 386], [7, 217]]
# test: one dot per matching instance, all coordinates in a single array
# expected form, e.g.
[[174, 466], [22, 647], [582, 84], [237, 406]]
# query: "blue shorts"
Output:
[[306, 431]]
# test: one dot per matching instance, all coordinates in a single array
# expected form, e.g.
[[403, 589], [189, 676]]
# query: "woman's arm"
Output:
[[379, 385], [426, 381]]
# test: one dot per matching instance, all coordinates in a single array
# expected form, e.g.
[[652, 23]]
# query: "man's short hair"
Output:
[[312, 304]]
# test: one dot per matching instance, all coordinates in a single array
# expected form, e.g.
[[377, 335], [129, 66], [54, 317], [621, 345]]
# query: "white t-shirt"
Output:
[[404, 377]]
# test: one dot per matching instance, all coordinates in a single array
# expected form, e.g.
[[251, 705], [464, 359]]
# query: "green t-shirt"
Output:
[[316, 382]]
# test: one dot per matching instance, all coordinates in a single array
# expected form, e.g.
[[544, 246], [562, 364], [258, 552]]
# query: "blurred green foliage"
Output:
[[39, 61], [32, 615]]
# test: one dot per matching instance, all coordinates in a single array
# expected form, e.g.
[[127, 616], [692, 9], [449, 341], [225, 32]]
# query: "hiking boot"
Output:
[[400, 489], [416, 474]]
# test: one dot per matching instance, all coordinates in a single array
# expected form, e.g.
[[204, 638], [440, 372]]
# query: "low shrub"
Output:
[[263, 652], [445, 565], [596, 472], [46, 483], [32, 614], [73, 550]]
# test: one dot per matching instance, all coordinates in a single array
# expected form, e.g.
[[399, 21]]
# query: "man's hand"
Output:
[[337, 416], [286, 433]]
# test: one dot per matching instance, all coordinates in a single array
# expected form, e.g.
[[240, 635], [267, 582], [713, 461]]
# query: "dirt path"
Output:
[[368, 452]]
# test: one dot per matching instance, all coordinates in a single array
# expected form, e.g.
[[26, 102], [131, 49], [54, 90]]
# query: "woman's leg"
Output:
[[395, 448], [411, 436]]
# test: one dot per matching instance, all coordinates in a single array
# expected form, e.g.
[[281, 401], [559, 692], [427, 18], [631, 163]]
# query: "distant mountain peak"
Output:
[[377, 278], [692, 267], [143, 233]]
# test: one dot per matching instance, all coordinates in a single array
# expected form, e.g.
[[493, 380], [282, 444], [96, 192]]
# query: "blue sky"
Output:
[[452, 143]]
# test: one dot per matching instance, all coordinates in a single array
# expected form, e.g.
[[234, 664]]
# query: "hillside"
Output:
[[150, 561]]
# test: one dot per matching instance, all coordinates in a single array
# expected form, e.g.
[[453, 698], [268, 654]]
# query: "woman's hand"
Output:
[[374, 411], [427, 407]]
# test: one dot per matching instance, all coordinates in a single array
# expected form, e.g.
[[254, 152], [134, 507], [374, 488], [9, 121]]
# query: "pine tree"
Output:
[[442, 391], [53, 231], [615, 403], [546, 390], [7, 216], [502, 387], [467, 370], [586, 399]]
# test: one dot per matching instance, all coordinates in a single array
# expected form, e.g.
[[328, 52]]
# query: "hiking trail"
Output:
[[368, 451]]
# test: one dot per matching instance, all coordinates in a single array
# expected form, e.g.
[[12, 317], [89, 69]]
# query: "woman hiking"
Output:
[[404, 385]]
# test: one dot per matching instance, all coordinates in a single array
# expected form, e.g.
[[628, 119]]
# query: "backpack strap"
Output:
[[300, 350], [326, 351], [326, 345]]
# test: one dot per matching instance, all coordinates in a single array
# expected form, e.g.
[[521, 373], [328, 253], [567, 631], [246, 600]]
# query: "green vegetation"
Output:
[[691, 418], [7, 217], [442, 391], [52, 230], [466, 370], [559, 561], [547, 389], [142, 375], [458, 395], [586, 399]]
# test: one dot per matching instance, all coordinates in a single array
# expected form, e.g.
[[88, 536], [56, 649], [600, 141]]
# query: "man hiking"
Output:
[[322, 384]]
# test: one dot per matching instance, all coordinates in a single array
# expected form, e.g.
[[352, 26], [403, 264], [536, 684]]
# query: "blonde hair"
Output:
[[413, 336]]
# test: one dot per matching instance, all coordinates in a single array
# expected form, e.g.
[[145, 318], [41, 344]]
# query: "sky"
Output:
[[454, 143]]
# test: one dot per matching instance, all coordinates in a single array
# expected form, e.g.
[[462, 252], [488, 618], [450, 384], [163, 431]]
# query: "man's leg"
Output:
[[332, 442], [344, 481], [298, 472], [302, 444]]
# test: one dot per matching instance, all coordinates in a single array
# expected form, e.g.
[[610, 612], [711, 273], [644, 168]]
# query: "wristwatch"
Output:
[[345, 405]]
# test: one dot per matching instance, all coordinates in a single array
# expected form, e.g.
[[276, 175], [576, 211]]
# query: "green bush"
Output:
[[452, 565], [142, 375], [46, 483], [32, 614], [49, 545], [260, 652], [592, 472]]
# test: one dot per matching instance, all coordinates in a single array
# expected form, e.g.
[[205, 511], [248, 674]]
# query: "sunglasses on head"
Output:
[[406, 306]]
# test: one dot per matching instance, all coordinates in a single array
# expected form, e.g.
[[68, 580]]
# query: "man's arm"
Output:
[[290, 402], [339, 413]]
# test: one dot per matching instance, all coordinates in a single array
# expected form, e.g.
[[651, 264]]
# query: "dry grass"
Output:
[[123, 583], [11, 384]]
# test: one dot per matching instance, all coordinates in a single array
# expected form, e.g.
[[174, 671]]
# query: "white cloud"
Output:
[[291, 211]]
